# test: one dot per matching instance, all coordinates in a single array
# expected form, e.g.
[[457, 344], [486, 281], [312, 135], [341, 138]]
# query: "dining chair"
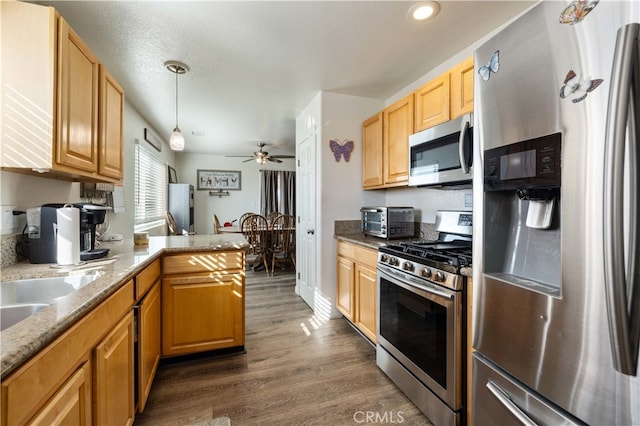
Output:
[[171, 224], [256, 230], [283, 241], [271, 217], [216, 225], [243, 217]]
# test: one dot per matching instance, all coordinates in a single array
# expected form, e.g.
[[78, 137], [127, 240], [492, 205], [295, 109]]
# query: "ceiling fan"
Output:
[[262, 157]]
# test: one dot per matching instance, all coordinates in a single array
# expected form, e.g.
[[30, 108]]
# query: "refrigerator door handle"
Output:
[[622, 287], [508, 403], [462, 143]]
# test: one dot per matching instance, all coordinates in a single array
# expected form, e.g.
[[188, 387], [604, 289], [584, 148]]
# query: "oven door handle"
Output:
[[401, 280], [508, 403]]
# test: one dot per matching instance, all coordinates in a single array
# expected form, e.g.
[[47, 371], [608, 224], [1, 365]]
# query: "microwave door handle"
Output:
[[462, 142], [622, 287]]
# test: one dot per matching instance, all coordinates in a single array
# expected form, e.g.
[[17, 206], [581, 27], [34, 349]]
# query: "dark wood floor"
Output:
[[297, 370]]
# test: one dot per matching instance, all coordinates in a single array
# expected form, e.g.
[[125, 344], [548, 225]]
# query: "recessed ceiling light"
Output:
[[423, 11]]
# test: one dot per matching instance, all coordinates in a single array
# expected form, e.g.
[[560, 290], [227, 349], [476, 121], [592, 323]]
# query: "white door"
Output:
[[306, 197]]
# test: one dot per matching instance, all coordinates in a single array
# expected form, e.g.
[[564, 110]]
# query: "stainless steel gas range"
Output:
[[421, 326]]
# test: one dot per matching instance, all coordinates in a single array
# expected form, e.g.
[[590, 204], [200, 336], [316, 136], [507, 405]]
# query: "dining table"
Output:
[[230, 230]]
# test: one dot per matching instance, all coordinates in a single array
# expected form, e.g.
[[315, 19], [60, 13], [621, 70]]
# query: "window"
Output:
[[150, 187]]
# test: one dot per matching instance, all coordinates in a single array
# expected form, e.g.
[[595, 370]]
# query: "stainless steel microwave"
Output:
[[388, 222], [442, 155]]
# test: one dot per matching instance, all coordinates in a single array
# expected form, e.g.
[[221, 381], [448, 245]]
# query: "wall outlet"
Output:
[[468, 200]]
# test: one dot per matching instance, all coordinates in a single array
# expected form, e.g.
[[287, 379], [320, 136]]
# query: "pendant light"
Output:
[[176, 140]]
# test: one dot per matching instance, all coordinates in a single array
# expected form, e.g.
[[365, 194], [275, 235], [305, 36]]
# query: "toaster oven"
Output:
[[388, 222]]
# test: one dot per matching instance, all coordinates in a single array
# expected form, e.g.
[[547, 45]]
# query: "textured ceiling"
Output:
[[256, 65]]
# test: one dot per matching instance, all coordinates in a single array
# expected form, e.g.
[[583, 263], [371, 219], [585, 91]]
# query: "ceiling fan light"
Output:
[[176, 141]]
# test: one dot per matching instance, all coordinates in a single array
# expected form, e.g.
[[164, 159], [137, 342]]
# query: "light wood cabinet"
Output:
[[446, 97], [71, 404], [149, 308], [366, 295], [114, 374], [462, 76], [111, 142], [372, 153], [77, 102], [398, 126], [202, 302], [56, 383], [432, 103], [357, 286], [345, 291], [385, 146], [60, 116], [149, 348]]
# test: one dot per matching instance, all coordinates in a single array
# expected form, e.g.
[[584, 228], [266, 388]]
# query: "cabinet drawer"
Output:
[[146, 279], [362, 255], [202, 262]]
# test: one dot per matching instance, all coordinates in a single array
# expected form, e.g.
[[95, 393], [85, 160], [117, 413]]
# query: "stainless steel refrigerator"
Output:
[[556, 266]]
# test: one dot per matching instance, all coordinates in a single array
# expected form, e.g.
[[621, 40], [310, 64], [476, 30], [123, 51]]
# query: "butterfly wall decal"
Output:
[[343, 150], [577, 11], [492, 66], [577, 86]]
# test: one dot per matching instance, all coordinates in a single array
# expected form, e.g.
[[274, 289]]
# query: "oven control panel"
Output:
[[415, 269]]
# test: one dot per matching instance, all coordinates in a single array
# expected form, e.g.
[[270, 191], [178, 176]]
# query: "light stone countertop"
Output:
[[19, 342]]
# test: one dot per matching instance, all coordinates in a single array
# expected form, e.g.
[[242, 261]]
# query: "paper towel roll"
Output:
[[68, 236]]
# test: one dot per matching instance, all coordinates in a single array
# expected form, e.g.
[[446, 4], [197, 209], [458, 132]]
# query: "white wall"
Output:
[[230, 207], [339, 183]]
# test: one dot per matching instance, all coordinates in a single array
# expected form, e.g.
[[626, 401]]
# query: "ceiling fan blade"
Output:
[[250, 159], [239, 156], [283, 156], [273, 159]]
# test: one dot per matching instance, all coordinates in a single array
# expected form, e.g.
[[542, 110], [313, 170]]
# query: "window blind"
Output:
[[150, 186]]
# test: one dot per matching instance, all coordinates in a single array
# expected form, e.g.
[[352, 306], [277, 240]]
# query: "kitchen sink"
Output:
[[13, 314], [41, 290]]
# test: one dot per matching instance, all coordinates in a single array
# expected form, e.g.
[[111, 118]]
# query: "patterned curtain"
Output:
[[277, 192]]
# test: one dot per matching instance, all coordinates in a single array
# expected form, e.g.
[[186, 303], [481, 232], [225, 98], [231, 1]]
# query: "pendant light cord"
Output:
[[176, 71]]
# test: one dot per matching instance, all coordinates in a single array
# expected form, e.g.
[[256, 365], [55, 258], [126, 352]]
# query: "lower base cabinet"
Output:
[[186, 303], [356, 293], [59, 383], [71, 405], [114, 373], [149, 311], [202, 302]]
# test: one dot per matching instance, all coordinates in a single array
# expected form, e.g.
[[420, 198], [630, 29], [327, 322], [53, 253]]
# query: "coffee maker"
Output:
[[42, 231]]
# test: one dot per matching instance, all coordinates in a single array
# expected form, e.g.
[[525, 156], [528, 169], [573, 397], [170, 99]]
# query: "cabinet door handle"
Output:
[[311, 231]]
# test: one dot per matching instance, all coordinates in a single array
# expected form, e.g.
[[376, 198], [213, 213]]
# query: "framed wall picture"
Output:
[[153, 140], [229, 180], [173, 176]]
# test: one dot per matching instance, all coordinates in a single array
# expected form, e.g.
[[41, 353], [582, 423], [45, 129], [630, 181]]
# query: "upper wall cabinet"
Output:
[[433, 103], [62, 111], [462, 88], [385, 147], [385, 136], [445, 97]]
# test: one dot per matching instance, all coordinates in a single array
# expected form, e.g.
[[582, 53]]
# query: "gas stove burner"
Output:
[[448, 256]]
